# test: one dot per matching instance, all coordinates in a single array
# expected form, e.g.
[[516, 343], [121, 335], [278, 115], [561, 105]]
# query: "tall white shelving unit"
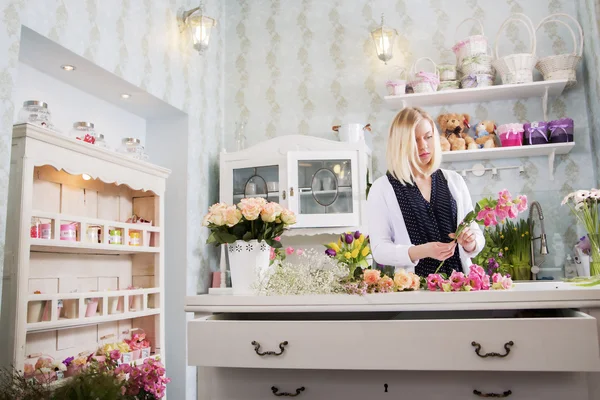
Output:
[[61, 180]]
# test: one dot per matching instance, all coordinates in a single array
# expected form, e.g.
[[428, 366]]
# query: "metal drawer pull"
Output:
[[507, 347], [498, 395], [269, 353], [285, 394]]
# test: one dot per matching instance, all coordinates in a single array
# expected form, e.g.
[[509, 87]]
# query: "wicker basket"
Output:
[[448, 85], [477, 64], [516, 68], [562, 66], [471, 45], [447, 72], [422, 81]]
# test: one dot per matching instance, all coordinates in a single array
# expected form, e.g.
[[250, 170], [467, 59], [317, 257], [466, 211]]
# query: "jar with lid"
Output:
[[100, 142], [132, 147], [84, 131], [35, 112]]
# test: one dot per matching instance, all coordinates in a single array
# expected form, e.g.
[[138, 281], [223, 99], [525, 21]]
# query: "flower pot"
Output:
[[594, 254], [521, 272], [249, 263]]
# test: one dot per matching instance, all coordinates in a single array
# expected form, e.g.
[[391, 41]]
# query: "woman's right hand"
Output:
[[436, 250]]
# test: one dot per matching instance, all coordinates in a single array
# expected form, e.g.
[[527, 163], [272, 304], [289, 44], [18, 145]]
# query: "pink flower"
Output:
[[474, 280], [289, 251], [434, 282], [402, 280], [277, 239], [501, 212], [272, 254], [299, 252], [371, 276], [507, 283], [521, 203], [485, 282], [115, 355], [504, 198], [512, 211], [416, 281], [457, 280], [488, 215]]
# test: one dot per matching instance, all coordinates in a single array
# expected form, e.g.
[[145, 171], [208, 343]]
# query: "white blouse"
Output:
[[387, 231]]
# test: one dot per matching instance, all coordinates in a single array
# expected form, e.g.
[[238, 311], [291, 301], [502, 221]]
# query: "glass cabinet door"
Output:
[[256, 182], [326, 188]]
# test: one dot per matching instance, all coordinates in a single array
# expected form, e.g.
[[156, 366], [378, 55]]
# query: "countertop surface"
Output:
[[522, 295]]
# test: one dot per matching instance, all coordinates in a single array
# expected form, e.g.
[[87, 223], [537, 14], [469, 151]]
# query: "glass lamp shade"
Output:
[[384, 42], [199, 27]]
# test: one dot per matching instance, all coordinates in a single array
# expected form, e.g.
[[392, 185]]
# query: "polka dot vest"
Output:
[[429, 221]]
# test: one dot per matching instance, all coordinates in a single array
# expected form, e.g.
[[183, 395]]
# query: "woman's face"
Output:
[[425, 145]]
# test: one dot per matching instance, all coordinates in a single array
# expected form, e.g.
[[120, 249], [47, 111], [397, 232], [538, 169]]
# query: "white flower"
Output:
[[581, 195]]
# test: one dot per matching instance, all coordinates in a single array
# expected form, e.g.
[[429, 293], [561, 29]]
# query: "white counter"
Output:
[[537, 341]]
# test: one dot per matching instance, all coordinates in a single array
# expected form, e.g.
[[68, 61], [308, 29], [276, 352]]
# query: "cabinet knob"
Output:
[[496, 395], [507, 347], [285, 394], [291, 192], [269, 353], [283, 195]]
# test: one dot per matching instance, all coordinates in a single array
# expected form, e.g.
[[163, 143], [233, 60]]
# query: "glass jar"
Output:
[[84, 131], [100, 142], [132, 147], [35, 112]]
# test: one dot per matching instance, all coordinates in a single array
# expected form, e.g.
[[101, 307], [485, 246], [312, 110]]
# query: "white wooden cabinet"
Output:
[[538, 341], [324, 182], [61, 181]]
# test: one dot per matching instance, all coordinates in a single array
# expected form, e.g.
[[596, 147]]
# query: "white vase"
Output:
[[248, 263]]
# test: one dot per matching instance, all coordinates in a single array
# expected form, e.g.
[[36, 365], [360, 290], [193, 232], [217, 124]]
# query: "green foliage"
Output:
[[13, 385], [92, 383]]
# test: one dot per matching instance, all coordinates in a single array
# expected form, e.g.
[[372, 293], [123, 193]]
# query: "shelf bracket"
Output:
[[545, 104], [551, 158]]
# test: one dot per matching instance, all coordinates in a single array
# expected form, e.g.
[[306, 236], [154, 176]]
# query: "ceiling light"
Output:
[[125, 96], [68, 67], [86, 177]]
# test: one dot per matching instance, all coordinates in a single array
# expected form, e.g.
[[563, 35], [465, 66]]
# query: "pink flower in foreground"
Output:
[[488, 216], [475, 281], [416, 282], [115, 355], [434, 282], [272, 254], [521, 203], [512, 211], [457, 280], [501, 212], [289, 251], [371, 276]]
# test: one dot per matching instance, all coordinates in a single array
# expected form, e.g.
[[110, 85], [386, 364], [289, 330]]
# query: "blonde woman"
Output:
[[414, 209]]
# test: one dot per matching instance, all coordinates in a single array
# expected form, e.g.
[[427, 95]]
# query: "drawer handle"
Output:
[[507, 347], [286, 394], [269, 353], [498, 395]]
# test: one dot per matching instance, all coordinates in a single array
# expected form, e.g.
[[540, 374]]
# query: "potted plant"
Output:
[[249, 230], [584, 206]]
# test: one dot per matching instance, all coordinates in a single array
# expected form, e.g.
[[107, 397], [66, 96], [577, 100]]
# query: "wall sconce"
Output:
[[384, 38], [198, 24]]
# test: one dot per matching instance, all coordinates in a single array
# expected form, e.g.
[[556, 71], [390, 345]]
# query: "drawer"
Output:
[[511, 340], [261, 384]]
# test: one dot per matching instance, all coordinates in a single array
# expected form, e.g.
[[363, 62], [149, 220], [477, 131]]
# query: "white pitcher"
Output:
[[353, 132]]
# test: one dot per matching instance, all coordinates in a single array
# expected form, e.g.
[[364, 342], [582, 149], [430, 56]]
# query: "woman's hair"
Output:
[[401, 147]]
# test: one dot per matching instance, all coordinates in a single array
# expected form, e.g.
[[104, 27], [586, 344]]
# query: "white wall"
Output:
[[68, 104]]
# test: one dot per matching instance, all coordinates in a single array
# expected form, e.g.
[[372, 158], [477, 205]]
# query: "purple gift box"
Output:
[[535, 133], [561, 130]]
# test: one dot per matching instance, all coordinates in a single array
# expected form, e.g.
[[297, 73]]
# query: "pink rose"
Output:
[[216, 214], [434, 282], [385, 284], [277, 239], [457, 280], [270, 212], [507, 283], [289, 251], [252, 207], [497, 278], [371, 276], [485, 282], [231, 216], [272, 254], [477, 269], [402, 279]]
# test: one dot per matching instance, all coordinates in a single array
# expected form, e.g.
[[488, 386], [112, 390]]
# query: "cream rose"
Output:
[[270, 212], [232, 216], [371, 276], [216, 214], [402, 279], [288, 217], [252, 207], [416, 281]]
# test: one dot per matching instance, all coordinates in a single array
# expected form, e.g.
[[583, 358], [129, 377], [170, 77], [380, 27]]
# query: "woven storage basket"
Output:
[[447, 72], [516, 68], [477, 64], [422, 81], [471, 45], [562, 66]]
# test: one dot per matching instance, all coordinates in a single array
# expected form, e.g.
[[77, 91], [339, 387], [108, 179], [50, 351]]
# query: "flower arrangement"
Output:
[[351, 250], [477, 279], [251, 219], [137, 342], [584, 206], [492, 257], [373, 281], [489, 212]]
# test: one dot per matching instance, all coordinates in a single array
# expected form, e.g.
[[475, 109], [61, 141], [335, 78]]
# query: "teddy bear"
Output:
[[485, 134], [454, 130]]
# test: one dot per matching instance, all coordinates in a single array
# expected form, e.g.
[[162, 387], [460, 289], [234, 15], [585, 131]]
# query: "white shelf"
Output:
[[477, 95], [549, 150], [65, 246], [87, 295], [95, 221], [78, 322]]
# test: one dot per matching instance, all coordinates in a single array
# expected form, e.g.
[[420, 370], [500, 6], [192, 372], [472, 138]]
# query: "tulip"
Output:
[[356, 235], [330, 252], [349, 238]]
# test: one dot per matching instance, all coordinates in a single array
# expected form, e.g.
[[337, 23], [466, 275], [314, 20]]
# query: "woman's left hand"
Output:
[[466, 239]]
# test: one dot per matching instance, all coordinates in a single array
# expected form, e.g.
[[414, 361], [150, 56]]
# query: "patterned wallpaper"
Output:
[[301, 67], [139, 41]]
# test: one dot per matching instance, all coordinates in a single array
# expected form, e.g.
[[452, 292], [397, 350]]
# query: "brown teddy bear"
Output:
[[454, 130], [485, 134]]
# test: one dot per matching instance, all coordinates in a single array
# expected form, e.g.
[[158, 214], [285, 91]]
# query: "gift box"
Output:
[[535, 133], [561, 130], [511, 135]]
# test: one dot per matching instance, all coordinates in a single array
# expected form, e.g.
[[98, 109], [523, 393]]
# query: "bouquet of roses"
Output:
[[374, 282], [489, 211], [477, 279]]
